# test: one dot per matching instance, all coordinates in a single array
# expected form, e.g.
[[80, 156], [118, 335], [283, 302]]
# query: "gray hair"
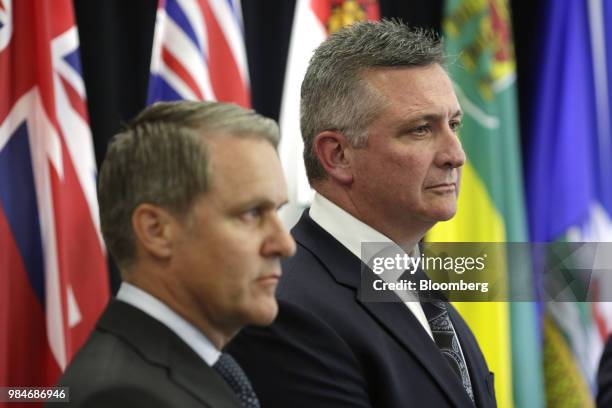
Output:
[[334, 95], [161, 158]]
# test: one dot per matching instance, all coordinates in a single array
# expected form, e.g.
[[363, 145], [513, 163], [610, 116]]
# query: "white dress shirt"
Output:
[[351, 232], [160, 311]]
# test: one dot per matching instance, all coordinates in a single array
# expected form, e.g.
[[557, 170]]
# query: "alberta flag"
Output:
[[569, 183], [53, 278]]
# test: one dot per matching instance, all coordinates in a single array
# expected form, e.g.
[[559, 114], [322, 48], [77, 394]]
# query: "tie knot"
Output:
[[233, 374]]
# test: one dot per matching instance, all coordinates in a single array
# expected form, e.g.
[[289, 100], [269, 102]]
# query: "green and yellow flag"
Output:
[[478, 39]]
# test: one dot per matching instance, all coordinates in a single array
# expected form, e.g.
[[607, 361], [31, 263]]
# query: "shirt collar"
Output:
[[347, 229], [160, 311]]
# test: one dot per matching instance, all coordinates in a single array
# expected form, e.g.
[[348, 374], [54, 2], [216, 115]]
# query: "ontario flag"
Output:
[[53, 277], [199, 52], [313, 21]]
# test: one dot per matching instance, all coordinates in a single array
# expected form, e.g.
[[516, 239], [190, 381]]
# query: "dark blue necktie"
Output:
[[443, 332], [233, 374], [447, 341]]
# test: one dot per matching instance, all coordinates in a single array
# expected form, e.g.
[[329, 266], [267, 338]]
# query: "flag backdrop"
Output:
[[199, 53], [569, 180], [313, 21], [53, 277], [478, 39], [53, 282]]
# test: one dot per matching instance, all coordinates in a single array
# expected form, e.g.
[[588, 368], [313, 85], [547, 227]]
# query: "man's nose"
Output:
[[279, 243], [451, 152]]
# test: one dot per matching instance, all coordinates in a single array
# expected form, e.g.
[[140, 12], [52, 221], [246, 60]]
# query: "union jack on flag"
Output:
[[53, 277], [199, 52]]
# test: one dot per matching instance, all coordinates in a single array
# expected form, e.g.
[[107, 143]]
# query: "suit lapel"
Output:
[[162, 347], [345, 268]]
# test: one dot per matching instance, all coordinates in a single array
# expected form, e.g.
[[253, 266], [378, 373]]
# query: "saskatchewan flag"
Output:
[[478, 40]]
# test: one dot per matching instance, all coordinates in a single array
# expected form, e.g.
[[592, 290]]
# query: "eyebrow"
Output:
[[434, 116], [261, 202], [457, 115]]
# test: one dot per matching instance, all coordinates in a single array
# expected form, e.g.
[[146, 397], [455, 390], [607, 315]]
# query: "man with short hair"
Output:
[[379, 120], [189, 194]]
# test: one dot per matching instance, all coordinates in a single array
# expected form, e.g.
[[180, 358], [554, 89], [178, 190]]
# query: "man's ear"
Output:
[[153, 229], [334, 153]]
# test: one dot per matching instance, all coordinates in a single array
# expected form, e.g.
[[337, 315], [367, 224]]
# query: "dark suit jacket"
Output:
[[604, 377], [133, 360], [329, 349]]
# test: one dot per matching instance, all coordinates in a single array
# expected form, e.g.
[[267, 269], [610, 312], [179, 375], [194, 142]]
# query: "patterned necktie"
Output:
[[447, 341], [442, 329], [232, 373]]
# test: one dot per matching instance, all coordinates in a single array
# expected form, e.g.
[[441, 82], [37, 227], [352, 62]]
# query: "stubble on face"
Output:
[[406, 178]]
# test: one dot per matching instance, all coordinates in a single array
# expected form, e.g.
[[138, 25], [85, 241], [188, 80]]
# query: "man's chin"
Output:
[[442, 213], [447, 216], [264, 314]]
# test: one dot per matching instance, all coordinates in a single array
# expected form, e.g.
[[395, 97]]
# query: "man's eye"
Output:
[[421, 130], [455, 126], [251, 215]]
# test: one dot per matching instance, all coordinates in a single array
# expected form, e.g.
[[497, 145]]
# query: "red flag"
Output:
[[53, 277]]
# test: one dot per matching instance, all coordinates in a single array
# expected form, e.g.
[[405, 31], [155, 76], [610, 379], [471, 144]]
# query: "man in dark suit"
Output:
[[189, 194], [604, 377], [379, 120]]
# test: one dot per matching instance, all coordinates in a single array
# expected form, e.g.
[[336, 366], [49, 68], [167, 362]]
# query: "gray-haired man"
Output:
[[379, 119]]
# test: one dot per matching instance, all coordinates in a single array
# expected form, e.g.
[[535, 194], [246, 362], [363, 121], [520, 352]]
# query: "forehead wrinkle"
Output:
[[420, 105]]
